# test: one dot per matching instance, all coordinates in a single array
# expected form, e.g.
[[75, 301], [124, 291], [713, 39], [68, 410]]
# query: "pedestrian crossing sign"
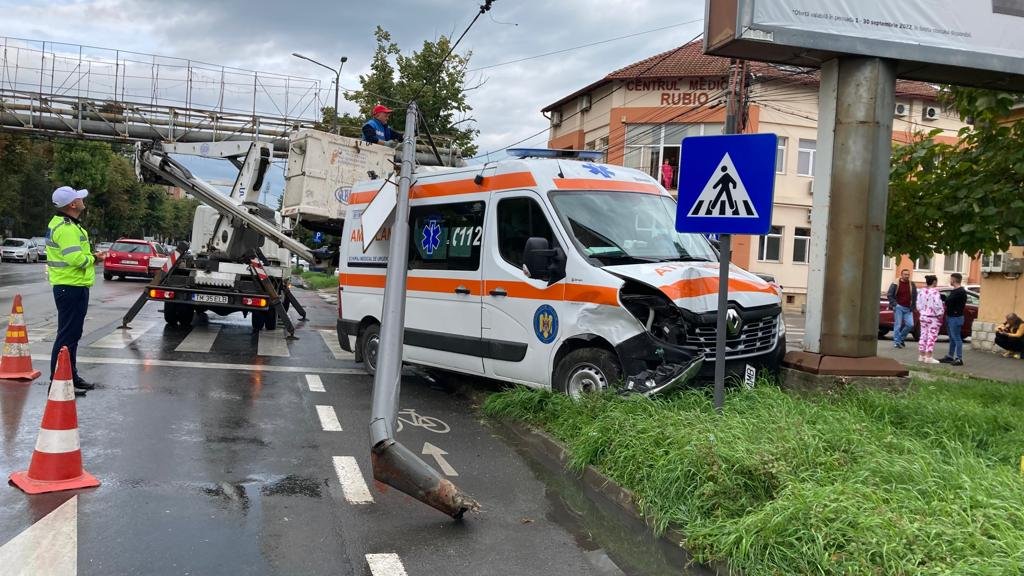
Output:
[[726, 184]]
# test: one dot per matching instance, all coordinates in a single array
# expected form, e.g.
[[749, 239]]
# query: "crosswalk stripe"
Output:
[[331, 340], [385, 565], [328, 418], [315, 383], [353, 486], [200, 339], [123, 338], [273, 343], [40, 334]]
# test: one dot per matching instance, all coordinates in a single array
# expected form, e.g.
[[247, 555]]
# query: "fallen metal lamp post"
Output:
[[394, 464]]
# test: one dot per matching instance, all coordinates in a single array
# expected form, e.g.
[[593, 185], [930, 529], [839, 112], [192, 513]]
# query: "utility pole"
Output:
[[335, 126]]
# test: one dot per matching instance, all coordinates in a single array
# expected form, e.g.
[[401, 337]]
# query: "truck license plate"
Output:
[[210, 298]]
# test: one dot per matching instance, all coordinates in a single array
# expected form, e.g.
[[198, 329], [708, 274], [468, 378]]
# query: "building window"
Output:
[[954, 262], [924, 263], [805, 157], [886, 261], [648, 146], [780, 156], [769, 246], [801, 245]]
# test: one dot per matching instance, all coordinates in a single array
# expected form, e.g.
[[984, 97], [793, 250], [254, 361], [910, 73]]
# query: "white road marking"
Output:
[[438, 455], [331, 340], [328, 418], [208, 365], [385, 565], [351, 478], [200, 339], [273, 343], [123, 338], [50, 546], [315, 383], [40, 334]]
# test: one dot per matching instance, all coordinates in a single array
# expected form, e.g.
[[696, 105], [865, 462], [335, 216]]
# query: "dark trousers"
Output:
[[72, 304], [1009, 343]]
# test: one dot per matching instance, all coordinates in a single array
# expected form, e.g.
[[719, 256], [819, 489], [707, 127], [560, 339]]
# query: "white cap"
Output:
[[66, 195]]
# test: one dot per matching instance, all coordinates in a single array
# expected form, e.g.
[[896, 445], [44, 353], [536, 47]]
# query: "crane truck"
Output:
[[240, 255]]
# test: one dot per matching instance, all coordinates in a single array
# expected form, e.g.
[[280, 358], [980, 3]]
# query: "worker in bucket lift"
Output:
[[376, 129]]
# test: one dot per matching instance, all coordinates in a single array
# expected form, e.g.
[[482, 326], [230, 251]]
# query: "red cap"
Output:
[[380, 108]]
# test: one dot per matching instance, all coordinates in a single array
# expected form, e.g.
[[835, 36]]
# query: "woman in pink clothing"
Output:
[[666, 174], [930, 309]]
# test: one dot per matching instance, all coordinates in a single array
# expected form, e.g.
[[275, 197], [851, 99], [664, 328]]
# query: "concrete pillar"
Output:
[[851, 181]]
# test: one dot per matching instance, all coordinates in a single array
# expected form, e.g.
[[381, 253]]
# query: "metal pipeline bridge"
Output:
[[78, 91]]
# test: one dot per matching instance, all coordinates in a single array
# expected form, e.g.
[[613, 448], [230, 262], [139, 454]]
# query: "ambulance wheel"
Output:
[[369, 343], [585, 371]]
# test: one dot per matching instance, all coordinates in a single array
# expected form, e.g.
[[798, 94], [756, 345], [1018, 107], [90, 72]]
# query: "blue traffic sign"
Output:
[[726, 184]]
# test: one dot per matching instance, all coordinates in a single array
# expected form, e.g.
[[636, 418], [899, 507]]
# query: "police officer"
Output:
[[376, 129], [70, 266]]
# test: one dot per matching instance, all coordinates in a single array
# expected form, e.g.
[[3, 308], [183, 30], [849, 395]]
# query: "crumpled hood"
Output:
[[694, 285]]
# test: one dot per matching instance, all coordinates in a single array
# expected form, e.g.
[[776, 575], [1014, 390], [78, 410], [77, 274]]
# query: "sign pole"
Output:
[[725, 249]]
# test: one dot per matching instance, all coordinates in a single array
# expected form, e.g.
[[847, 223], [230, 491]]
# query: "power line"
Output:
[[588, 45], [484, 8]]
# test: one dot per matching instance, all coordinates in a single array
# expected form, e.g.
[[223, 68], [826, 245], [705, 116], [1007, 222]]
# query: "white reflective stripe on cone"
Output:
[[57, 441], [62, 391], [16, 320], [15, 349]]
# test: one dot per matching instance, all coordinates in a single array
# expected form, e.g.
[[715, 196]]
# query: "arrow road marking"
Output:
[[438, 455], [49, 546]]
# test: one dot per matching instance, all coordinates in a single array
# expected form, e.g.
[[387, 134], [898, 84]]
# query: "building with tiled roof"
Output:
[[639, 114]]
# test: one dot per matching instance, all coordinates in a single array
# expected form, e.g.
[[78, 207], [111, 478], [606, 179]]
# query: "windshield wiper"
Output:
[[602, 238]]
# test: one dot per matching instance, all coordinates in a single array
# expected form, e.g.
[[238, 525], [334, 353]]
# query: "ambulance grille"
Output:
[[756, 337]]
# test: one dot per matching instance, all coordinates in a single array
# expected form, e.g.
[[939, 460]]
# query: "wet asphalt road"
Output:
[[217, 462]]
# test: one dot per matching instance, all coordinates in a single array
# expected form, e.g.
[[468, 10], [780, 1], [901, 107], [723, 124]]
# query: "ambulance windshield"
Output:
[[626, 227]]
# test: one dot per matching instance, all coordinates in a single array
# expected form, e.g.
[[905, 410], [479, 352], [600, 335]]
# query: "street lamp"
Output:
[[335, 127]]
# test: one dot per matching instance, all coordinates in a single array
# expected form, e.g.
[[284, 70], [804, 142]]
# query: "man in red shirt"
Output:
[[902, 296]]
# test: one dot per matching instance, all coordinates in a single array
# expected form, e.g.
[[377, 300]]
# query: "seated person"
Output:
[[1010, 336]]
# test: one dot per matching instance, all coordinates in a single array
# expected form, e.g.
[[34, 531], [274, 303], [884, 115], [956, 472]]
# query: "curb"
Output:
[[547, 450]]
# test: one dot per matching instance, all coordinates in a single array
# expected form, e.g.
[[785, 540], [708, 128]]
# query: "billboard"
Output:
[[973, 42]]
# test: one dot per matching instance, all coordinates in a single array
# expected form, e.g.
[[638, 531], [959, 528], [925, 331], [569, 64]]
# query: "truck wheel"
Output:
[[257, 319], [585, 371], [270, 319], [369, 343], [185, 314], [170, 313]]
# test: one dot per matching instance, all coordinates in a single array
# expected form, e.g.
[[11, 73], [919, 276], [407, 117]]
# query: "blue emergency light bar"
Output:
[[589, 155]]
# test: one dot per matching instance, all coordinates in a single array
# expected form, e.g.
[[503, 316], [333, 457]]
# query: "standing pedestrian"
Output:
[[956, 300], [902, 296], [70, 266], [929, 307], [666, 174]]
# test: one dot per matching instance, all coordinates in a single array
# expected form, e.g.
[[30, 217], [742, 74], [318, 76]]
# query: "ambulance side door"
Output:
[[443, 303], [521, 314]]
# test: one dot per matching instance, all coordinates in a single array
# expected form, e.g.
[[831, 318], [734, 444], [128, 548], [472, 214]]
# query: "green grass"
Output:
[[318, 280], [862, 482]]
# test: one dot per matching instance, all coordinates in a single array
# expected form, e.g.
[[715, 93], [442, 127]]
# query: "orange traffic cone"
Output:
[[57, 460], [16, 363]]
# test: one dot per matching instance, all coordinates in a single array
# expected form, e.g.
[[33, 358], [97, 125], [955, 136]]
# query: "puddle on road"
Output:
[[293, 485], [616, 543]]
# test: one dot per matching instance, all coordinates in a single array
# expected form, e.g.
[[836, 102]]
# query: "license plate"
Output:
[[210, 298], [129, 262]]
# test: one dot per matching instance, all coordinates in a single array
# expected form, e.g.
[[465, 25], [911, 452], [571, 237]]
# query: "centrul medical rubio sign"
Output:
[[976, 42]]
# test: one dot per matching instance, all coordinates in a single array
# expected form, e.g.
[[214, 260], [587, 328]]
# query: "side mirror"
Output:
[[543, 262]]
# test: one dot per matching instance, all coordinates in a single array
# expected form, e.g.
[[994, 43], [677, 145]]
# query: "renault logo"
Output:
[[733, 323]]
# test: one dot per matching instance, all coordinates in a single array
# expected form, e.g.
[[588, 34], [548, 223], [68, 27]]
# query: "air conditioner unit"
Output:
[[556, 118], [930, 113], [584, 103], [901, 110], [1001, 262]]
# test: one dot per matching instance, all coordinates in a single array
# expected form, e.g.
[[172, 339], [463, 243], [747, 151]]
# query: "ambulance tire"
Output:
[[369, 342], [586, 370]]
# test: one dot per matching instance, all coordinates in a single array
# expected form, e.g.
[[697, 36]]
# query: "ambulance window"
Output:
[[446, 236], [518, 220]]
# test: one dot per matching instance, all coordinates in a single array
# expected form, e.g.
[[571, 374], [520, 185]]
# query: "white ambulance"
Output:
[[554, 273]]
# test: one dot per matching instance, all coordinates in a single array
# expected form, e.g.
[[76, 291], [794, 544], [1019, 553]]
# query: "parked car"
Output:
[[131, 257], [41, 244], [19, 250], [885, 315]]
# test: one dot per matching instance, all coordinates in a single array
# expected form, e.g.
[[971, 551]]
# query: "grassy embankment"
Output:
[[926, 482], [318, 280]]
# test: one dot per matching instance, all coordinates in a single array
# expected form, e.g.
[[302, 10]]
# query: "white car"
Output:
[[19, 250]]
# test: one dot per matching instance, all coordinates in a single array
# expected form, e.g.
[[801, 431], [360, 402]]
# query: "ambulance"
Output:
[[557, 273]]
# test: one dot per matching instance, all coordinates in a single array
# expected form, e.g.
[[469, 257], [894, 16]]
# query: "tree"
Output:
[[438, 85], [964, 197]]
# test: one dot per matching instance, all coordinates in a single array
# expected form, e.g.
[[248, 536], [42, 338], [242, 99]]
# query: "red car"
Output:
[[885, 316], [128, 257]]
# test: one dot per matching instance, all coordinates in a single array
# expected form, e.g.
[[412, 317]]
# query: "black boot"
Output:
[[81, 384]]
